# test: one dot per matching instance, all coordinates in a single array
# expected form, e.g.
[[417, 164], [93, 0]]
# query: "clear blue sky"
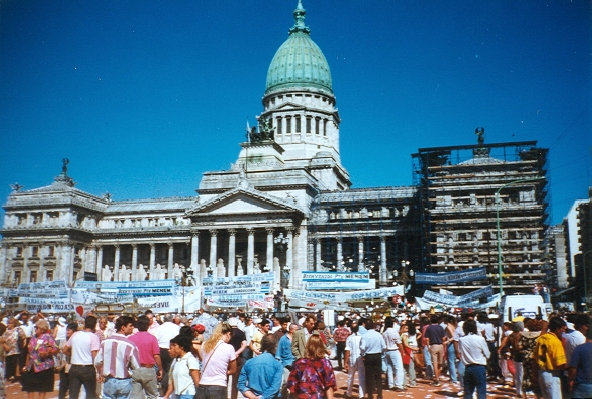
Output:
[[144, 96]]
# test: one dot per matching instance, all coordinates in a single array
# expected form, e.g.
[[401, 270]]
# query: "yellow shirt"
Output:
[[549, 353]]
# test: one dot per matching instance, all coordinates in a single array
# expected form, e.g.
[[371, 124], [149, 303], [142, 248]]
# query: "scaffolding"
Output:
[[457, 188]]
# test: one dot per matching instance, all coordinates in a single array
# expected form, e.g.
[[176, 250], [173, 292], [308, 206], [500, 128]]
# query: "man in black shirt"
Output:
[[436, 340]]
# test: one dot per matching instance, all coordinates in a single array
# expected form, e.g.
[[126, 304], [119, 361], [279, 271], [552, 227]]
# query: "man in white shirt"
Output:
[[353, 362], [83, 347], [473, 354], [394, 360], [577, 335]]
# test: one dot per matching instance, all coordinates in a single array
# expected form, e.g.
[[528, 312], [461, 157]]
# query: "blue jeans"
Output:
[[427, 358], [184, 396], [451, 362], [460, 367], [394, 363], [475, 378], [550, 383], [582, 391], [114, 388]]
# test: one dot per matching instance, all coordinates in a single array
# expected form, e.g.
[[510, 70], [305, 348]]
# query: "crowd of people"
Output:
[[234, 355]]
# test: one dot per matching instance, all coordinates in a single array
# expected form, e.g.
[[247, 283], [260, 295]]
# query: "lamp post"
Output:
[[499, 239], [281, 243], [185, 281]]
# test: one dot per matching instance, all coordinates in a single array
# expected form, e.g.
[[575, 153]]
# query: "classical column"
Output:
[[116, 265], [383, 274], [289, 255], [134, 271], [340, 254], [318, 259], [231, 252], [152, 261], [3, 265], [99, 262], [195, 254], [360, 253], [41, 271], [269, 257], [214, 252], [65, 271], [92, 258], [250, 250], [170, 260]]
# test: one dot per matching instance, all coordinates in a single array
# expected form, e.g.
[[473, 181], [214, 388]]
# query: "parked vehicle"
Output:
[[528, 305]]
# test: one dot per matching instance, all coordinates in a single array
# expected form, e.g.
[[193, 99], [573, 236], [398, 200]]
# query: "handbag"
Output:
[[407, 351]]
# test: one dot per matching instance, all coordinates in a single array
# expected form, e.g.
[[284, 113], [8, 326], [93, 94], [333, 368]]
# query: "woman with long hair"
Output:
[[219, 361], [184, 372], [409, 338], [312, 376], [39, 363]]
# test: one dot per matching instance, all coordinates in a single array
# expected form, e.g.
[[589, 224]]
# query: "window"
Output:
[[325, 127], [19, 252], [34, 252], [51, 250], [298, 124], [279, 125], [288, 125], [308, 124], [33, 278], [317, 125], [17, 277], [49, 275]]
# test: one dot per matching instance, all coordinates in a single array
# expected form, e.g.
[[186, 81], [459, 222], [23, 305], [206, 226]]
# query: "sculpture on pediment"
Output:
[[107, 274], [141, 274], [177, 273], [220, 269], [16, 187]]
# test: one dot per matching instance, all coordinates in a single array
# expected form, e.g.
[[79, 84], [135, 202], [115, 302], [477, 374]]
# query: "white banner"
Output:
[[335, 276], [160, 304], [238, 280], [339, 285], [47, 305], [337, 297]]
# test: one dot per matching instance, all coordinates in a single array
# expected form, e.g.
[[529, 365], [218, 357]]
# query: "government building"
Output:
[[285, 205]]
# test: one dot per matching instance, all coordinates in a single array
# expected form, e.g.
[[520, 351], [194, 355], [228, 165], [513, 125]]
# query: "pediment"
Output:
[[243, 201], [289, 107]]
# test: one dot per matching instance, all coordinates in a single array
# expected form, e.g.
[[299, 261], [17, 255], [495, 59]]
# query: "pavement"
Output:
[[424, 390]]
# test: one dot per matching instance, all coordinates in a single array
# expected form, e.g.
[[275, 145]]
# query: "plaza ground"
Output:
[[424, 390]]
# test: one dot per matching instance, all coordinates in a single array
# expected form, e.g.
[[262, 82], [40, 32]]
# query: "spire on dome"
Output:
[[299, 17]]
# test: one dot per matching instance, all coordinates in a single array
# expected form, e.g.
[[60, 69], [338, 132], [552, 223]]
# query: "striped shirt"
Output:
[[118, 355]]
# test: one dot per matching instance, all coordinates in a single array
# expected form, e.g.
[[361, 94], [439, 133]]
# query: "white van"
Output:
[[531, 306]]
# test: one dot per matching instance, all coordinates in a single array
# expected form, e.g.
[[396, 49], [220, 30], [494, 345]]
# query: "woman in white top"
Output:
[[219, 361], [184, 373]]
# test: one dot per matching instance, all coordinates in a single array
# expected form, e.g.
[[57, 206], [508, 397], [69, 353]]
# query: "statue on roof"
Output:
[[480, 132], [65, 162], [16, 187], [264, 133]]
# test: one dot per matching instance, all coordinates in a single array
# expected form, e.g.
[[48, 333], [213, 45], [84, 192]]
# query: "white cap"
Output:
[[257, 320], [233, 321], [62, 321]]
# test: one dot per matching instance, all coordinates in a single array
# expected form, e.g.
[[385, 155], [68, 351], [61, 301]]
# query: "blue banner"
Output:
[[451, 277]]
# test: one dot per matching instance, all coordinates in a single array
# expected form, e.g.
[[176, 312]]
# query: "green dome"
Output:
[[299, 63]]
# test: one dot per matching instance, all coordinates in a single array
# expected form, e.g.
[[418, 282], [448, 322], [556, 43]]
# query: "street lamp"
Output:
[[186, 280], [497, 212], [281, 243]]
